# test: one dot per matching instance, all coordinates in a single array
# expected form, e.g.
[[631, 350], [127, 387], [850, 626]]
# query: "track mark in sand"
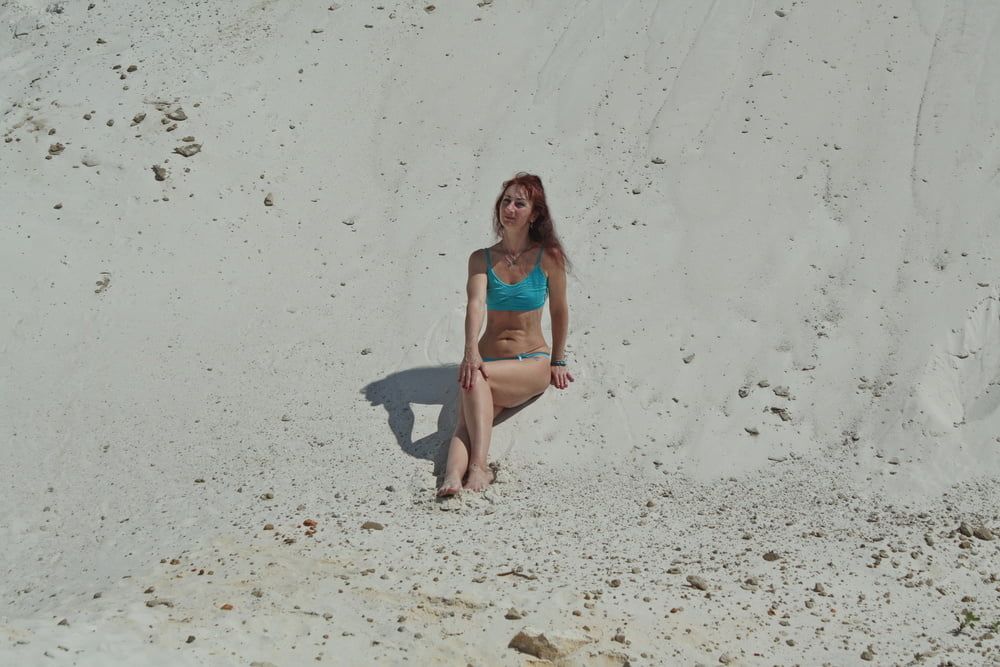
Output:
[[952, 127], [702, 83], [443, 340], [961, 383]]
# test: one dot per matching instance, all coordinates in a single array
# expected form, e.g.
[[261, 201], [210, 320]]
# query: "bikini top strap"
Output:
[[489, 263], [541, 251]]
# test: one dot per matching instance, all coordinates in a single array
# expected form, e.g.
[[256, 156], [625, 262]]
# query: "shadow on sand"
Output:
[[429, 385]]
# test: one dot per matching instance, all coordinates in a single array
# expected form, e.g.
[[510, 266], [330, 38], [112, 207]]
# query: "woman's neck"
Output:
[[515, 244]]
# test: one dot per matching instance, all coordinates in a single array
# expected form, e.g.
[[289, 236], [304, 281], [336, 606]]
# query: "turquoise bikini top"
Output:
[[528, 294]]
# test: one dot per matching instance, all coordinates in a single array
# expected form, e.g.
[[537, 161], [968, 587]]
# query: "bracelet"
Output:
[[557, 362]]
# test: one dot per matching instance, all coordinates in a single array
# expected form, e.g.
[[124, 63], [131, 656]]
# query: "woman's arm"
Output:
[[559, 312], [475, 311]]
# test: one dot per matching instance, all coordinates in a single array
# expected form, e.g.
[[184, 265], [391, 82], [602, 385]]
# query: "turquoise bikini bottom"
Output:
[[529, 355]]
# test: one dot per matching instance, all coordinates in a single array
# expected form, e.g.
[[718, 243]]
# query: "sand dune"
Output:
[[234, 251]]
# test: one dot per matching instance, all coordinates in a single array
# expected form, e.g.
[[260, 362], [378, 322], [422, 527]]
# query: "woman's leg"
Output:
[[477, 404], [458, 452], [458, 457], [511, 383]]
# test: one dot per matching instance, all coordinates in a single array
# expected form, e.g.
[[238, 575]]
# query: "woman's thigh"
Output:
[[513, 381]]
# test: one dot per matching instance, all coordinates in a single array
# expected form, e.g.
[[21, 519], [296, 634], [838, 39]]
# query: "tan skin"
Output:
[[489, 387]]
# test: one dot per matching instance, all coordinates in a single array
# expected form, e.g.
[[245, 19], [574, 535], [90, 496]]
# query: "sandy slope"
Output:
[[183, 365]]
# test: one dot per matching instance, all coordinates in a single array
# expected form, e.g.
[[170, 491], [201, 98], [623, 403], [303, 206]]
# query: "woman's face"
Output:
[[515, 208]]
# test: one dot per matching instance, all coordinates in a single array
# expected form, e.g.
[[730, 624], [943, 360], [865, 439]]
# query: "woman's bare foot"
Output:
[[450, 486], [478, 478]]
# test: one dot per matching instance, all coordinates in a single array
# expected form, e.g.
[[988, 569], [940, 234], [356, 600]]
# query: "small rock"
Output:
[[615, 583], [131, 68], [159, 172], [771, 556], [868, 654], [697, 582], [513, 614], [268, 526], [111, 121], [56, 149], [159, 602], [982, 533], [269, 199], [366, 350], [965, 529], [429, 8], [780, 12], [752, 430], [188, 150], [743, 392], [659, 160], [783, 413], [780, 391], [725, 658], [372, 525], [63, 622], [689, 358], [188, 139], [226, 607], [139, 117], [177, 114], [548, 646], [767, 72], [763, 384], [189, 639]]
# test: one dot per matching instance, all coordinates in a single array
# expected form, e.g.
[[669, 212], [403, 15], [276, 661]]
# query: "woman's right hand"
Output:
[[469, 370]]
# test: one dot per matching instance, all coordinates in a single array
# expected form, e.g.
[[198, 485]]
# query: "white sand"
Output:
[[825, 219]]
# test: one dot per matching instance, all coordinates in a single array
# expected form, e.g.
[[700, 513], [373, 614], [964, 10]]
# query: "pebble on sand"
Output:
[[548, 645], [188, 150]]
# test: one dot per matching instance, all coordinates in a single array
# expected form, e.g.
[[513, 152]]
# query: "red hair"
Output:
[[542, 230]]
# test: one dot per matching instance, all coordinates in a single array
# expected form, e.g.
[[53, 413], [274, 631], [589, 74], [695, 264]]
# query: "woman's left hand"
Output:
[[561, 377]]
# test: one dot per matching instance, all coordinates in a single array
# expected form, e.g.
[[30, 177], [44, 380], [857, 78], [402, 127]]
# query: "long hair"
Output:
[[542, 230]]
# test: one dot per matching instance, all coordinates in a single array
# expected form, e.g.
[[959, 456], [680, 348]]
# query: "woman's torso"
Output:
[[512, 332]]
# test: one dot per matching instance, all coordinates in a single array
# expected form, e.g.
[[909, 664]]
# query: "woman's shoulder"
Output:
[[477, 259], [553, 259]]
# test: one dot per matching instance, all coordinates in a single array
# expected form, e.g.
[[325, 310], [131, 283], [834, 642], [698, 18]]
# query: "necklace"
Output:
[[512, 257]]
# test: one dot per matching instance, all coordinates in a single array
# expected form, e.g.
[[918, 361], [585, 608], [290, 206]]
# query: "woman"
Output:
[[511, 363]]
